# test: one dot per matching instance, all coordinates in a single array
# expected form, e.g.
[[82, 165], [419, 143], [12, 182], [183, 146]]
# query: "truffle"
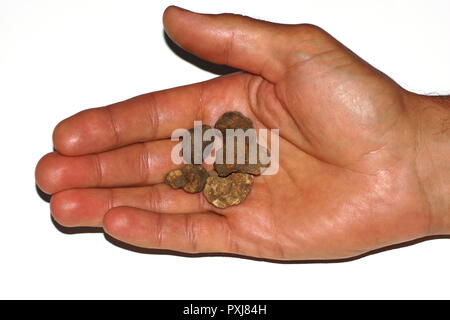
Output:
[[233, 120], [192, 178], [229, 191], [224, 169], [227, 184]]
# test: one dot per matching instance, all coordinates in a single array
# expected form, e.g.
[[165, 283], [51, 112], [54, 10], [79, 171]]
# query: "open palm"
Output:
[[347, 182]]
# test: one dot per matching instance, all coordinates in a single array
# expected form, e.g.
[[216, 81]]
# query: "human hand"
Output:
[[355, 150]]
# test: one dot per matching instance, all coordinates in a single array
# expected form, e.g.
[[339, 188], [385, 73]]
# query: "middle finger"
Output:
[[135, 165]]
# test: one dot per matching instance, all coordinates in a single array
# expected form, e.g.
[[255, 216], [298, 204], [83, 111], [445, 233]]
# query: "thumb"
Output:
[[256, 46]]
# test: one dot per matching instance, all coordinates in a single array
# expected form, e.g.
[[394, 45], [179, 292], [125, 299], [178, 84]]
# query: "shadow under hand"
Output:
[[129, 247], [75, 230], [217, 69], [44, 196]]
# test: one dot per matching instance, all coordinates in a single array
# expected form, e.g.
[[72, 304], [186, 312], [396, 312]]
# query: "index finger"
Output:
[[151, 116]]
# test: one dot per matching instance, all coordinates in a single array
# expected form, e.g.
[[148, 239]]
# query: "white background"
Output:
[[58, 57]]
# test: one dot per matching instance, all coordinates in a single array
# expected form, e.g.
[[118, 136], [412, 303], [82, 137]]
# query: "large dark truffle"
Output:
[[235, 120], [224, 169]]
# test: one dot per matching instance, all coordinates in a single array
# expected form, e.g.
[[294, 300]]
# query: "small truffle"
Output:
[[233, 120], [175, 178], [192, 178], [229, 191]]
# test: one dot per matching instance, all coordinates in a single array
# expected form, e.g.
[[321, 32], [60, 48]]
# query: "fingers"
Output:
[[260, 47], [147, 117], [87, 207], [151, 116], [138, 164], [234, 40], [198, 232]]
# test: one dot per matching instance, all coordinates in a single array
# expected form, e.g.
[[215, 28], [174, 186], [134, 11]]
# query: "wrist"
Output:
[[432, 116]]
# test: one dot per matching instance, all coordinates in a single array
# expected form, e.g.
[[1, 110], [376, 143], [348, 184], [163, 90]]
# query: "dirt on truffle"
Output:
[[228, 191], [192, 178], [228, 184], [224, 169], [236, 120], [233, 120]]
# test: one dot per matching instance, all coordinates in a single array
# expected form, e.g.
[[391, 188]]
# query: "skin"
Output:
[[363, 162]]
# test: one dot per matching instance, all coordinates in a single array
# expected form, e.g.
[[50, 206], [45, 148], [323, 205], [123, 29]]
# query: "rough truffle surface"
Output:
[[228, 184], [229, 191], [192, 178], [224, 169], [233, 120]]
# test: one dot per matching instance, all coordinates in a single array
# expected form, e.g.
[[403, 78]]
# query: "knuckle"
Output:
[[190, 229], [99, 168], [144, 163], [151, 111], [154, 199], [310, 30], [113, 124], [159, 231]]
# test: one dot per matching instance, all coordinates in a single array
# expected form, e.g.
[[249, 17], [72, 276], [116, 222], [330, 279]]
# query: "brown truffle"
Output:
[[233, 120], [175, 178], [213, 173], [228, 184], [229, 191], [192, 178], [190, 158], [224, 169]]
